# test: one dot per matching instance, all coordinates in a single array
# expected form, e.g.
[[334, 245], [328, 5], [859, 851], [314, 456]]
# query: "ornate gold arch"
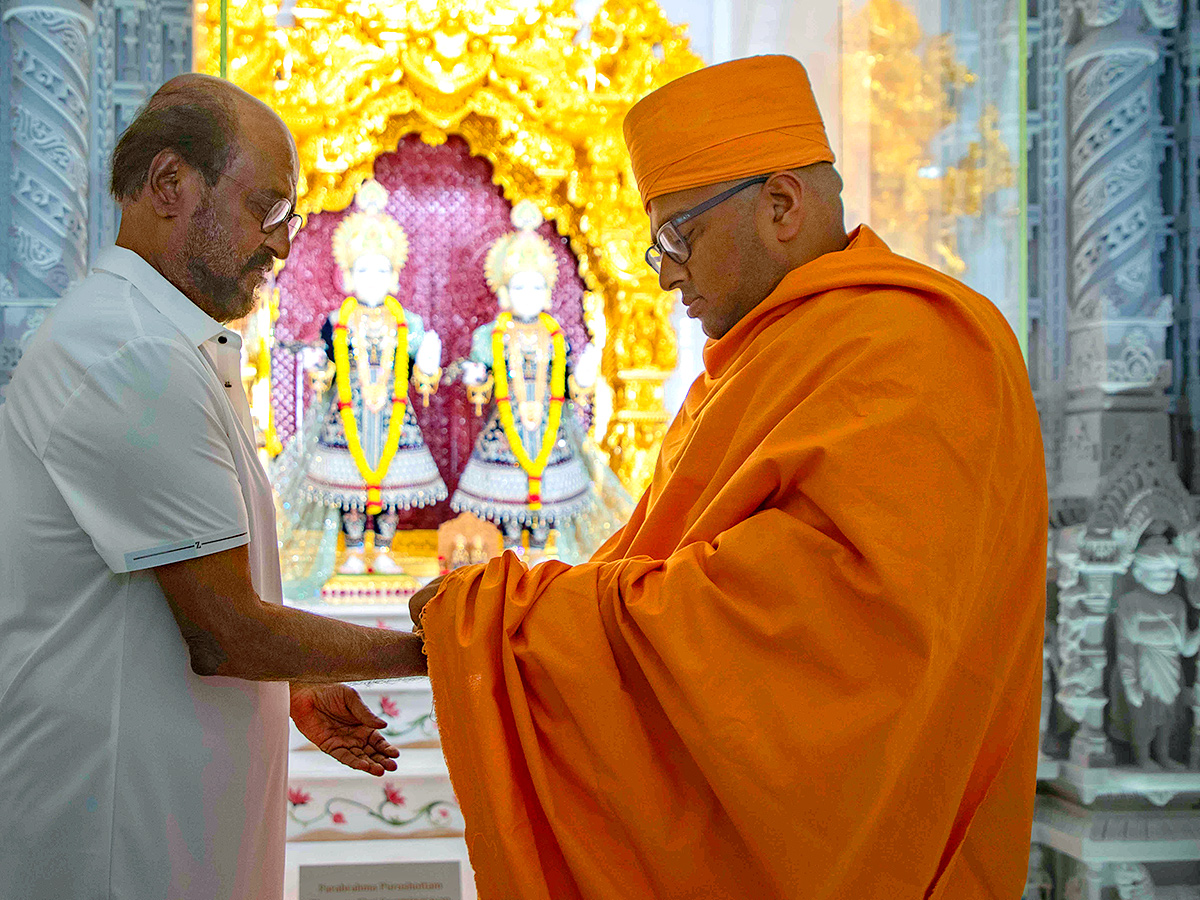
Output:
[[531, 88]]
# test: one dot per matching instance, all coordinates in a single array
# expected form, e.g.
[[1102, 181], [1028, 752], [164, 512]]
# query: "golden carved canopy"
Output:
[[531, 88]]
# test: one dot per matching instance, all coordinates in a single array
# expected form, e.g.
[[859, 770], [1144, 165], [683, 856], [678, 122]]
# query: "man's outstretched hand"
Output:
[[334, 718]]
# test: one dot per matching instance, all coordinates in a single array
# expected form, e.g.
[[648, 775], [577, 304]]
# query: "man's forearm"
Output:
[[278, 643], [230, 631]]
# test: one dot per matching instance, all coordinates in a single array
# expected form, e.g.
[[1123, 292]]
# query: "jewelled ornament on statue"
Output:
[[526, 472], [371, 459]]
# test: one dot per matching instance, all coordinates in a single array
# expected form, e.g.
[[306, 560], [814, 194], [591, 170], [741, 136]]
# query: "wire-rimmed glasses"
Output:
[[670, 241]]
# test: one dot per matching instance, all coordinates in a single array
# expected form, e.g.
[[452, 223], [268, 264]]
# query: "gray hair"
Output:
[[195, 121]]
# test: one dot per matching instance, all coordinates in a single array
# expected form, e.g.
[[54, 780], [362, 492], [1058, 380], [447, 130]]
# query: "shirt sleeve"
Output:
[[143, 458]]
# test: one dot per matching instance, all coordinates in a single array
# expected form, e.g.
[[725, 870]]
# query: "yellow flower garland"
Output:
[[341, 358], [558, 383]]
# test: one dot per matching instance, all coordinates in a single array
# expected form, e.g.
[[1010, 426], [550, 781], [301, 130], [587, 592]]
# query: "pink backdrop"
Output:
[[452, 212]]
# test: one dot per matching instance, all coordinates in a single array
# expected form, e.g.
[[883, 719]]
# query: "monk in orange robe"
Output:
[[810, 664]]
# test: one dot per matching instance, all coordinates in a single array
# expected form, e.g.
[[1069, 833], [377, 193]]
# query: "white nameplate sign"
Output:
[[382, 881]]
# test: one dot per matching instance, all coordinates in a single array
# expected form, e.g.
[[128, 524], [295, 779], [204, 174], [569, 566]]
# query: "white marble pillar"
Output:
[[50, 97], [1117, 317]]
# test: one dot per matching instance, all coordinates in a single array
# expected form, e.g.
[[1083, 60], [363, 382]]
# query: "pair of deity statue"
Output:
[[525, 473]]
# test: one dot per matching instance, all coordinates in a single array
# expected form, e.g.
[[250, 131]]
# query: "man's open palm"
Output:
[[334, 718]]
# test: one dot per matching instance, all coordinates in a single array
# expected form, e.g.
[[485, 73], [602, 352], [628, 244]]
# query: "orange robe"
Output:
[[810, 664]]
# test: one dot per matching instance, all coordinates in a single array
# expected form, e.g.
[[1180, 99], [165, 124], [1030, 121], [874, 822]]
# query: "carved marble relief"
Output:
[[50, 95], [1127, 602], [139, 44]]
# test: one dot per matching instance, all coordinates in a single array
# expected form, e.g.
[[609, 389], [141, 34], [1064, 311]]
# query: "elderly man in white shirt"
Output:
[[147, 664]]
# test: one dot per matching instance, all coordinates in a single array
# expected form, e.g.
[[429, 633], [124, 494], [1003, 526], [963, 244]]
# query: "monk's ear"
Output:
[[170, 184], [784, 192]]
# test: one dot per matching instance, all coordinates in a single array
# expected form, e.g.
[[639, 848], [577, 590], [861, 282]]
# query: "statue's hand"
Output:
[[313, 358], [1133, 692], [319, 367], [1188, 547], [429, 354], [588, 367], [1171, 623], [473, 372], [1189, 541]]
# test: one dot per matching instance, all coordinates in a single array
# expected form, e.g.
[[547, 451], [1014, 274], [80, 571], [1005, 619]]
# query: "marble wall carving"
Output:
[[75, 74], [50, 118], [102, 224], [1113, 167], [139, 45], [1117, 317], [1048, 213], [1142, 501]]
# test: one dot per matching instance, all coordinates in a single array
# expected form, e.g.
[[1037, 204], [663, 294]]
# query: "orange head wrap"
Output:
[[734, 120]]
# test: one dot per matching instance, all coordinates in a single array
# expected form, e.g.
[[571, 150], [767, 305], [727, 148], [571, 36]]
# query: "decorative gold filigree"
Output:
[[985, 169], [536, 91], [903, 90]]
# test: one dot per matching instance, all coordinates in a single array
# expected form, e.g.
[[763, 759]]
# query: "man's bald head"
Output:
[[740, 249], [207, 178], [203, 118]]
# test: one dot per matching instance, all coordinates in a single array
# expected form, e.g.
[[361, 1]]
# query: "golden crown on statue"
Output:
[[369, 231], [523, 250]]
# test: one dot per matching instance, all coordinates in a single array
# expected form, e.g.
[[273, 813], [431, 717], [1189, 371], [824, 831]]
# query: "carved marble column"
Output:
[[103, 219], [1118, 317], [50, 99]]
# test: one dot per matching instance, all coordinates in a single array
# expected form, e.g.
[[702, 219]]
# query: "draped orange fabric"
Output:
[[810, 664], [700, 129]]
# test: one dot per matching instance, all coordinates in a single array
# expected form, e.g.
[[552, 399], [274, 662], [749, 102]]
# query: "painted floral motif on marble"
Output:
[[312, 816]]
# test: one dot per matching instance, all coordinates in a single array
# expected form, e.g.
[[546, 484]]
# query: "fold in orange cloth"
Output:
[[810, 665], [745, 117]]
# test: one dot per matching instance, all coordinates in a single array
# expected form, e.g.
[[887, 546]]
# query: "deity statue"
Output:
[[526, 472], [1152, 641], [370, 459]]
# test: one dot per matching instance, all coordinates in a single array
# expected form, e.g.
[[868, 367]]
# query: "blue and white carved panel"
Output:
[[139, 45], [19, 319], [1116, 207], [50, 70], [103, 220], [1118, 315]]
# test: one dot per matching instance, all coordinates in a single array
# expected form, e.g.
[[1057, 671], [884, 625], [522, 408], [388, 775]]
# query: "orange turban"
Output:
[[734, 120]]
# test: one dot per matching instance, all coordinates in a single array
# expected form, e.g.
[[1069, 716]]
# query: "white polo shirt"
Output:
[[125, 443]]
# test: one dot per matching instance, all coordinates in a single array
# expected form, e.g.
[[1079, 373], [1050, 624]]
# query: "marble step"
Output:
[[406, 704], [329, 802]]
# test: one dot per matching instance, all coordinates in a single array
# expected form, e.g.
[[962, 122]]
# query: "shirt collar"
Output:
[[195, 324]]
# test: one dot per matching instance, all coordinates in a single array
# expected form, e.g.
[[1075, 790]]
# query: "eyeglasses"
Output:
[[281, 210], [671, 243]]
